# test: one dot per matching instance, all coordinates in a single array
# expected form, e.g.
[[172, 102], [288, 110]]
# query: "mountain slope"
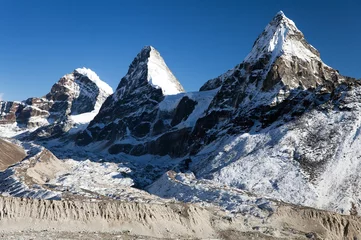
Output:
[[291, 125]]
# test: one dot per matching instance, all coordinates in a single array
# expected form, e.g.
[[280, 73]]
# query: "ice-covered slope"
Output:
[[103, 86], [313, 161]]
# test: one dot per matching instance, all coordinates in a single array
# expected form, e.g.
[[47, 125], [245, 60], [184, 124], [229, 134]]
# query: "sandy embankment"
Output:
[[48, 218]]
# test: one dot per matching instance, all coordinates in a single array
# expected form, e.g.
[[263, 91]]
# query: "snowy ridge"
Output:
[[280, 39], [148, 68], [95, 78]]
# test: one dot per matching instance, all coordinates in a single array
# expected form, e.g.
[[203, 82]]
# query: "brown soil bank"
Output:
[[10, 154], [46, 219]]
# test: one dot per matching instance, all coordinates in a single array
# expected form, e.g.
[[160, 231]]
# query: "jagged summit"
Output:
[[281, 37], [148, 66]]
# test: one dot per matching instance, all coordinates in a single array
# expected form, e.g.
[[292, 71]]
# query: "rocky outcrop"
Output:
[[77, 93]]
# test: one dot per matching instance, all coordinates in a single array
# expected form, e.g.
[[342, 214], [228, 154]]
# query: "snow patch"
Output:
[[159, 75]]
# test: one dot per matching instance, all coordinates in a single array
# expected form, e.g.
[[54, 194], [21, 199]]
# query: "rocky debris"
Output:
[[42, 168], [185, 187]]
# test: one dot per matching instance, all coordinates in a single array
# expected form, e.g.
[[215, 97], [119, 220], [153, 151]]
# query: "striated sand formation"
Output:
[[47, 219], [10, 154]]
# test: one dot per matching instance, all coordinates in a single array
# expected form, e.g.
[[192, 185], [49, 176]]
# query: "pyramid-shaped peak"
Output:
[[281, 37], [149, 66]]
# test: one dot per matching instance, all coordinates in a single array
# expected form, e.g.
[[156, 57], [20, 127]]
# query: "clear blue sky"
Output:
[[42, 40]]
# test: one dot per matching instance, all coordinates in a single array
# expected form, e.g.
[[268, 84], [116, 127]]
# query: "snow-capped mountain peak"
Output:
[[280, 54], [281, 37], [149, 67]]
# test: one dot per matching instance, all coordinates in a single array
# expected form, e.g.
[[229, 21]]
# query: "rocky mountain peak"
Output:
[[82, 88], [281, 37]]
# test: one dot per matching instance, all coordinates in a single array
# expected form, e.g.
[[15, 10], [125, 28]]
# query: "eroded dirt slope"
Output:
[[10, 154]]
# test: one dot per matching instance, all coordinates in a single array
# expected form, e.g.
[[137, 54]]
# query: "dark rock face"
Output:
[[22, 112], [184, 109], [174, 144]]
